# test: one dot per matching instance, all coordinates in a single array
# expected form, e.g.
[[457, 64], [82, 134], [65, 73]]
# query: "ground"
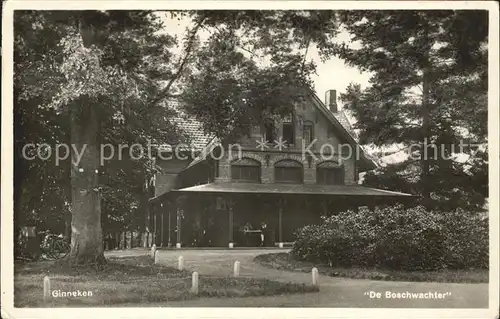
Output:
[[130, 280], [334, 292], [287, 262]]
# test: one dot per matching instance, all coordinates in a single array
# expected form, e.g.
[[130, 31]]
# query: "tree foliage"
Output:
[[40, 187], [428, 83], [121, 65], [397, 237], [252, 64], [122, 71]]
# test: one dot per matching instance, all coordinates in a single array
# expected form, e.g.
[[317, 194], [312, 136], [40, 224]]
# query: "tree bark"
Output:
[[425, 122], [86, 230], [425, 131], [20, 170]]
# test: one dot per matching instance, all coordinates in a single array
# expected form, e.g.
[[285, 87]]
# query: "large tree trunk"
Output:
[[86, 231], [425, 121], [425, 132], [20, 170]]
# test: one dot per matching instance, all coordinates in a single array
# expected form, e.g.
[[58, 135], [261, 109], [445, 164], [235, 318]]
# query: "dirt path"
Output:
[[334, 292]]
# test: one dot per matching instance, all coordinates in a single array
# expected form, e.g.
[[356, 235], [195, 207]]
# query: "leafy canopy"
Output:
[[405, 51]]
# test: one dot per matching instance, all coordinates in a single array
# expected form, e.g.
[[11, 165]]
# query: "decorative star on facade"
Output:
[[280, 144], [262, 144]]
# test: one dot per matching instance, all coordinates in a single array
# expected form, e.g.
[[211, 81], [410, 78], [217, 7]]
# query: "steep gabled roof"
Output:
[[344, 121], [204, 152], [189, 124], [345, 129], [205, 142]]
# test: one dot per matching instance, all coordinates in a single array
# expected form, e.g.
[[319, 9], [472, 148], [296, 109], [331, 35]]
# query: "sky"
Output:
[[334, 74]]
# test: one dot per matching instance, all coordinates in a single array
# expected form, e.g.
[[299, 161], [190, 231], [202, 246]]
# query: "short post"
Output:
[[231, 245], [180, 265], [46, 288], [157, 257], [236, 269], [315, 279], [194, 286], [153, 249], [178, 245], [280, 245]]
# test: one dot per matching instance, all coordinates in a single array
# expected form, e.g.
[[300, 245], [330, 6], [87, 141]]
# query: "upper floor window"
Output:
[[308, 133], [288, 171], [269, 131], [331, 131], [245, 170], [288, 129], [330, 173]]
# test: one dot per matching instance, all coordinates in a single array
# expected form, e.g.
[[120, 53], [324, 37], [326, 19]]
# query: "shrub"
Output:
[[397, 238]]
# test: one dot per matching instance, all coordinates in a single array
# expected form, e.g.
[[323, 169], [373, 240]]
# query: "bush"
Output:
[[397, 238]]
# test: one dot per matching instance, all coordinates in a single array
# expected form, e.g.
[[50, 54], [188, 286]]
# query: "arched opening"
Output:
[[330, 173], [288, 171], [245, 170]]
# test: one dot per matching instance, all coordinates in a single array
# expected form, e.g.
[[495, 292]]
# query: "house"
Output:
[[285, 174]]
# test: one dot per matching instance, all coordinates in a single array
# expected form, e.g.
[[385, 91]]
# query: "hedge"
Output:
[[396, 237]]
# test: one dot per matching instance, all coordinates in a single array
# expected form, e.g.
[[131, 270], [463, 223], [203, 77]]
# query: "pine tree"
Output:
[[428, 86]]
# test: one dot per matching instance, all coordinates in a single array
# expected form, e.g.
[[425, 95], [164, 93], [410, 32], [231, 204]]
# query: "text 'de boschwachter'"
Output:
[[406, 295]]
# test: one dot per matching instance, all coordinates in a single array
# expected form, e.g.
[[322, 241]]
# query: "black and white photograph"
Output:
[[236, 155]]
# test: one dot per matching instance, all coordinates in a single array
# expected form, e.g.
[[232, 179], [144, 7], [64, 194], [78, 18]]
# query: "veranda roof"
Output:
[[275, 188]]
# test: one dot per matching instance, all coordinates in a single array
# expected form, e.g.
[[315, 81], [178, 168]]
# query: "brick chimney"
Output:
[[331, 100]]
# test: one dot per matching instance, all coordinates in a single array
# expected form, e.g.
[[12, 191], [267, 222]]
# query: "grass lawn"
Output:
[[131, 280], [286, 262]]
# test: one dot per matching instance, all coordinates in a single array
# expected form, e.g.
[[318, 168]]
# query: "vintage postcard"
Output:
[[250, 159]]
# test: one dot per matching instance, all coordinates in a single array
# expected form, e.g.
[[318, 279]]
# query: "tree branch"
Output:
[[238, 46], [305, 54], [189, 48]]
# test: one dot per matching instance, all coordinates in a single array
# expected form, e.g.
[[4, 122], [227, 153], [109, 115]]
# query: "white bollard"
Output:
[[231, 245], [157, 257], [46, 288], [236, 271], [194, 287], [153, 249], [178, 245], [315, 277], [280, 245], [180, 265]]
